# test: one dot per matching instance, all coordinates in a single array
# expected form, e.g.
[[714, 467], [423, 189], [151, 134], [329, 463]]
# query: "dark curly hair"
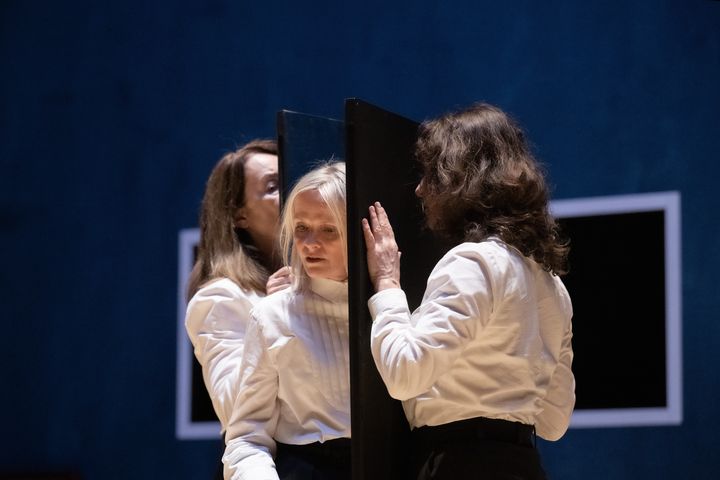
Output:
[[480, 180]]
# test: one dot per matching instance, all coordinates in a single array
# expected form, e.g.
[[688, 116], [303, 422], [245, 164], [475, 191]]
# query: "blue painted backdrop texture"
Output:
[[113, 113]]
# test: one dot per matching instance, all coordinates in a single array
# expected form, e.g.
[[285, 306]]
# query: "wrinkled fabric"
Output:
[[295, 380], [216, 320], [491, 338]]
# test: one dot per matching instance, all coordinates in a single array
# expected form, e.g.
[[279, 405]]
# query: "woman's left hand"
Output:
[[279, 280], [383, 257]]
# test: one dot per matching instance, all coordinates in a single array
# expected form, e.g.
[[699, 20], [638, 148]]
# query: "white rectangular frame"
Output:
[[669, 203], [185, 428]]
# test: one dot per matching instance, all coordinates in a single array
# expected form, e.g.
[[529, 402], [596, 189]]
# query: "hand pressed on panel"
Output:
[[383, 257]]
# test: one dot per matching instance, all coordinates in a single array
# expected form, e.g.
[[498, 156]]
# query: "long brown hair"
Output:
[[481, 180], [225, 250]]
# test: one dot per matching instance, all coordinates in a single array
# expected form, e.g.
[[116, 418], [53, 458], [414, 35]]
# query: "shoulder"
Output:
[[562, 295], [220, 305], [275, 302], [220, 294], [486, 266], [492, 254], [273, 311], [224, 288], [272, 315], [486, 247]]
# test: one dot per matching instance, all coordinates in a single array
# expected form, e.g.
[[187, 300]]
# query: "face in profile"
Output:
[[259, 215], [316, 237], [428, 206]]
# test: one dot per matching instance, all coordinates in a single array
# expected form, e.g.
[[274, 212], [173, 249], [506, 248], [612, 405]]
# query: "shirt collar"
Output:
[[330, 289]]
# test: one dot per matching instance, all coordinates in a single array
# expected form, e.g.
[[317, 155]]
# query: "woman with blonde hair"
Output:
[[292, 415]]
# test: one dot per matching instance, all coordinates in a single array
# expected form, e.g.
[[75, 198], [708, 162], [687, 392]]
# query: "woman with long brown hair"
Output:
[[485, 361], [237, 252]]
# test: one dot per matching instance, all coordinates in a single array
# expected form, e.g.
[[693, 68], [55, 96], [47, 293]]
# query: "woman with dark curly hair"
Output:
[[485, 361]]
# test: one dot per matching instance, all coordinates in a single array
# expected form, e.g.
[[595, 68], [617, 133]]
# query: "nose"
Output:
[[310, 242], [419, 190]]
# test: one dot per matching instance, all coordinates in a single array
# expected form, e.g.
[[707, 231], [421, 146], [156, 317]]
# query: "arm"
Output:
[[249, 439], [412, 351], [216, 321], [558, 404]]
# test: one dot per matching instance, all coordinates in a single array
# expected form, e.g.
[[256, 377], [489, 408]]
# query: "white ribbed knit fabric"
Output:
[[295, 381], [216, 320]]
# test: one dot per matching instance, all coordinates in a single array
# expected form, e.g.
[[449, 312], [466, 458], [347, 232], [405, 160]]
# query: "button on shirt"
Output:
[[491, 338], [295, 381], [216, 320]]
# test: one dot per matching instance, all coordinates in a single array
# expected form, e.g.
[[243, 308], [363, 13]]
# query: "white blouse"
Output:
[[491, 338], [216, 320], [295, 381]]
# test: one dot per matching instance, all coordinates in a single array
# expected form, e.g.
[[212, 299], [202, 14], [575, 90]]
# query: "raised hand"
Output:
[[383, 257]]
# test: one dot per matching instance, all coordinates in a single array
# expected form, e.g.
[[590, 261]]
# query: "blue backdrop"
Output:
[[112, 115]]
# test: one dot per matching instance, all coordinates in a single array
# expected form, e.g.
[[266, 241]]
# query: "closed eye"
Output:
[[272, 186]]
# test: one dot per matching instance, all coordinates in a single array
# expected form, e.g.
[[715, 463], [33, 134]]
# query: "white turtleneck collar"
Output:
[[331, 290]]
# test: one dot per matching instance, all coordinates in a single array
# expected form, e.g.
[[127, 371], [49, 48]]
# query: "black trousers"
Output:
[[478, 448], [316, 461]]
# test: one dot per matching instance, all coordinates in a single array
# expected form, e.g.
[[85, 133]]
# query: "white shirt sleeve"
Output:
[[216, 319], [558, 404], [249, 440], [412, 351]]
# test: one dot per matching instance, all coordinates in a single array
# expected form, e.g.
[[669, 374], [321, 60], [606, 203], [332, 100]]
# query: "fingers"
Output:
[[383, 257], [379, 220], [279, 280], [373, 218], [382, 216], [367, 233], [281, 272]]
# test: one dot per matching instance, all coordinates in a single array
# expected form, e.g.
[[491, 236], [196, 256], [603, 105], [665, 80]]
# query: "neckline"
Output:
[[330, 289]]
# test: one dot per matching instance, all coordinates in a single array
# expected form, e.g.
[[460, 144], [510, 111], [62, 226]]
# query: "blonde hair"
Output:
[[329, 181]]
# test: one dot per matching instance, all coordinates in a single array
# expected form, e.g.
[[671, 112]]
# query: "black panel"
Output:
[[380, 165], [201, 407], [617, 286], [304, 141]]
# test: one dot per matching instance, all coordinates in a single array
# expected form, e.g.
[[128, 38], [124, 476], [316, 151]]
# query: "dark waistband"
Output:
[[334, 451], [479, 428]]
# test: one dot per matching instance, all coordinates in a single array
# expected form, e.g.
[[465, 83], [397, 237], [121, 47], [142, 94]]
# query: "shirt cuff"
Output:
[[387, 299]]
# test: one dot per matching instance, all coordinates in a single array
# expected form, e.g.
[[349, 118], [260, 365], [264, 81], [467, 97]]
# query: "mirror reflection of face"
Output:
[[259, 215], [316, 237]]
